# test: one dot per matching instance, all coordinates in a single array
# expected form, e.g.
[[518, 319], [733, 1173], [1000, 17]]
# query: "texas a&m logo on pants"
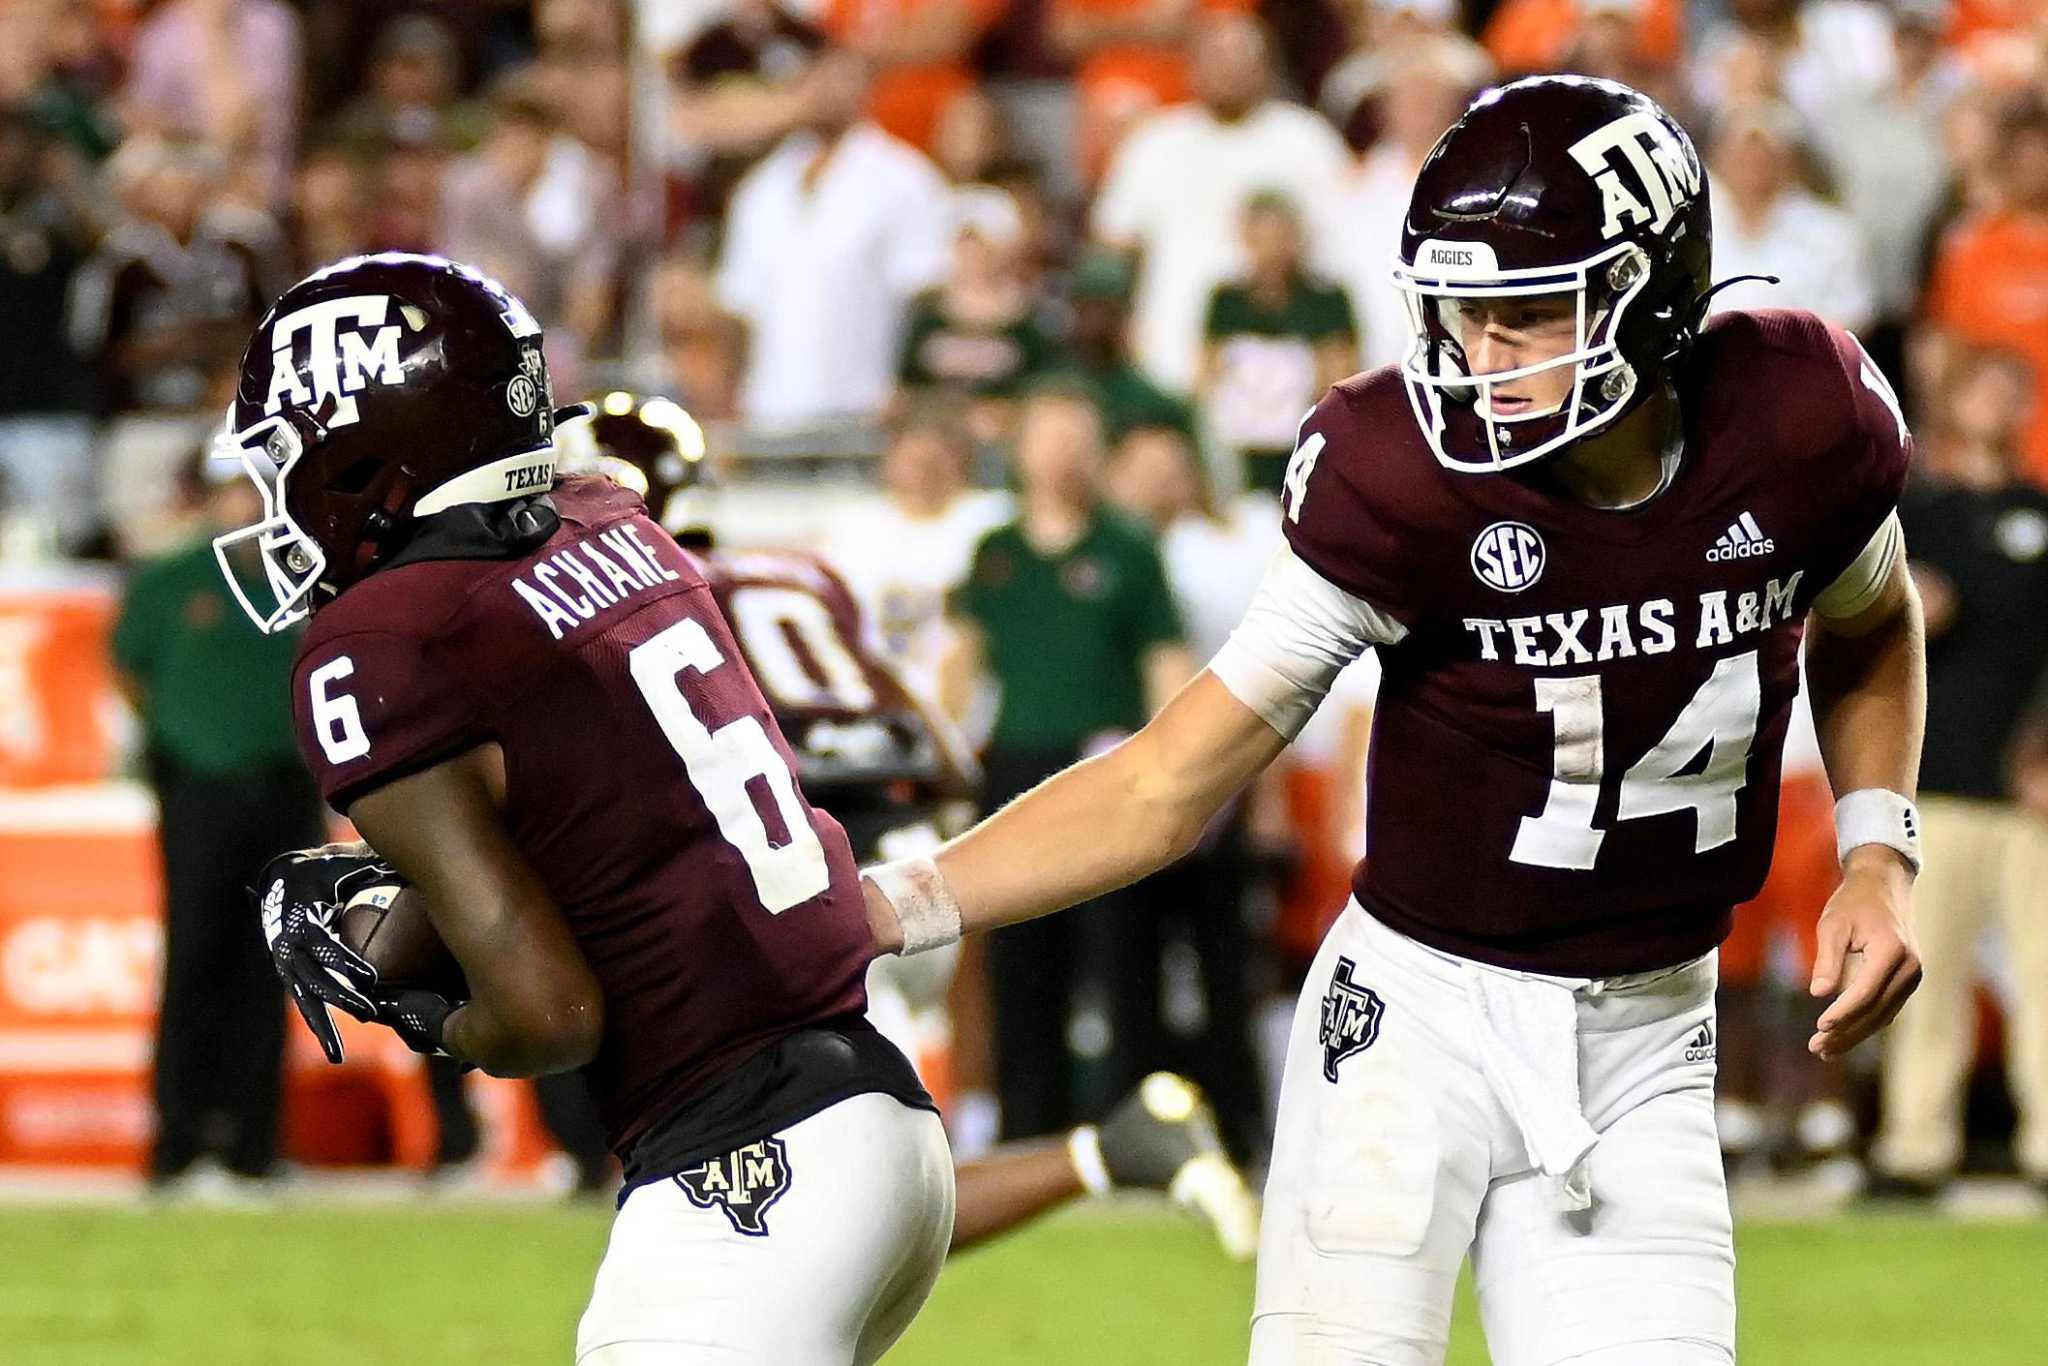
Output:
[[1351, 1018], [743, 1183]]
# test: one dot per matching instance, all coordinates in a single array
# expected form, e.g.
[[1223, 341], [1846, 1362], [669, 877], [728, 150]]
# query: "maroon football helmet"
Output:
[[653, 447], [1554, 185], [380, 390]]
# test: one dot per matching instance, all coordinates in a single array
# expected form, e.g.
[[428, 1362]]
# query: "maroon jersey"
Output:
[[647, 782], [850, 721], [1575, 751]]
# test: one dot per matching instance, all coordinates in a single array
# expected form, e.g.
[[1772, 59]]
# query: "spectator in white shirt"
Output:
[[1215, 553], [827, 241], [1385, 36], [1886, 155], [903, 555], [1181, 178], [538, 211], [225, 72], [1766, 223], [1427, 83], [1820, 52]]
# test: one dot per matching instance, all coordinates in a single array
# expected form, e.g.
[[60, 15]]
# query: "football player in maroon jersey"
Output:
[[891, 770], [1589, 534], [524, 695]]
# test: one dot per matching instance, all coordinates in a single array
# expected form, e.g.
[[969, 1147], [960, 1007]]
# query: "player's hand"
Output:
[[418, 1018], [1163, 1137], [300, 896], [1866, 951]]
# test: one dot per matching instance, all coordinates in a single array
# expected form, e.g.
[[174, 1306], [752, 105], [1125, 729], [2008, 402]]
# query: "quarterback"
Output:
[[1589, 534]]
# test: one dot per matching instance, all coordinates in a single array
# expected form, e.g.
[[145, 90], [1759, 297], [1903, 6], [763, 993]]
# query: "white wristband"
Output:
[[1084, 1150], [925, 906], [1877, 815]]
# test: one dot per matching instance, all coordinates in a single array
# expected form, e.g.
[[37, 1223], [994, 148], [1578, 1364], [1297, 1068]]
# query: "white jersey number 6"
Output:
[[723, 762]]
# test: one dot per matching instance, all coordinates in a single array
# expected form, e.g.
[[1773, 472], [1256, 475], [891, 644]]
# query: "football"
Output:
[[388, 925]]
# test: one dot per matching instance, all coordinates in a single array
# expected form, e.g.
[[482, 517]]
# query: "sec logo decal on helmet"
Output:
[[1560, 186], [378, 391]]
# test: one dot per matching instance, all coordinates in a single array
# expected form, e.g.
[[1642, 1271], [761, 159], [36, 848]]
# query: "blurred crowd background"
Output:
[[1011, 309]]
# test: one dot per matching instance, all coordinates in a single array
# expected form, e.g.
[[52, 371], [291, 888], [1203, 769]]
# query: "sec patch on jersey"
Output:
[[1508, 556]]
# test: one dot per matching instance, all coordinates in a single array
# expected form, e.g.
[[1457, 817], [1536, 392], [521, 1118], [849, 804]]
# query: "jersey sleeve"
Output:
[[1866, 474], [1300, 632], [369, 708], [1335, 523], [1126, 207]]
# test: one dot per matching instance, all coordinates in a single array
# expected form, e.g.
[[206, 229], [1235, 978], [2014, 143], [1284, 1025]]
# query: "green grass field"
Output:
[[448, 1283]]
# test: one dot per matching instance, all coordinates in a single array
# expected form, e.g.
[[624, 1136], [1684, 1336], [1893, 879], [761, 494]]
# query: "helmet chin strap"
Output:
[[379, 526]]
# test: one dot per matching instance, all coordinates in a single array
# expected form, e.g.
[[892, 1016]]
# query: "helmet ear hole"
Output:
[[356, 476]]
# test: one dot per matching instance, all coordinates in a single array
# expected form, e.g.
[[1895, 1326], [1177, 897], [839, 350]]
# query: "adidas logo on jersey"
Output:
[[1743, 540], [1701, 1046]]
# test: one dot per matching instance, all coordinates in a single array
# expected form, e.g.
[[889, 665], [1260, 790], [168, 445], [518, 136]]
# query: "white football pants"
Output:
[[1558, 1131], [854, 1238]]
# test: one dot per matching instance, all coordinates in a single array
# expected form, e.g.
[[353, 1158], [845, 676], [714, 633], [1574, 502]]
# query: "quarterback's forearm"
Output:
[[1109, 820], [1868, 677], [1100, 825]]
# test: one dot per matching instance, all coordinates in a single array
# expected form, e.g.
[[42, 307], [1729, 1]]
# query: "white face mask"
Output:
[[291, 559], [1602, 381]]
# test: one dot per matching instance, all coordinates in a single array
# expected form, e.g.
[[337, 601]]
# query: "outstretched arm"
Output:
[[536, 1006], [1867, 668], [1111, 819]]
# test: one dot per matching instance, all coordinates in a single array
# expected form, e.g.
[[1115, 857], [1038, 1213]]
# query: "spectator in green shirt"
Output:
[[213, 695], [1272, 343], [1068, 610], [977, 335], [1098, 350]]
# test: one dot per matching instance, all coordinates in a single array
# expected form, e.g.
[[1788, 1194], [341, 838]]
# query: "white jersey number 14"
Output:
[[1720, 719]]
